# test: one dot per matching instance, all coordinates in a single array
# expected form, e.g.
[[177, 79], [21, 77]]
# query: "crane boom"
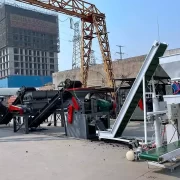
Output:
[[92, 19]]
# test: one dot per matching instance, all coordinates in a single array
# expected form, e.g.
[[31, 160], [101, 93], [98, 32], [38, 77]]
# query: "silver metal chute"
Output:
[[171, 64]]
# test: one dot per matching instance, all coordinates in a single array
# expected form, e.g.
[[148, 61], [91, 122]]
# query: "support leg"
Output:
[[157, 123], [26, 125], [14, 124], [144, 107], [55, 119]]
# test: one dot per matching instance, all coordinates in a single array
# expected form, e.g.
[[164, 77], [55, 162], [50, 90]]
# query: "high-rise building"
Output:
[[29, 47]]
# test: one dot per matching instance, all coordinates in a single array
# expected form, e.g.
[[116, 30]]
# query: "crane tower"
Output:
[[93, 22], [76, 46]]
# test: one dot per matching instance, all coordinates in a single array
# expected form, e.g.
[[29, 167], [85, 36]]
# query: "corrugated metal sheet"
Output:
[[4, 83], [28, 81]]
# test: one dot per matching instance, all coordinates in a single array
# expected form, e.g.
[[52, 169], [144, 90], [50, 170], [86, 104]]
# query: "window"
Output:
[[26, 58], [30, 53], [27, 72], [35, 59], [51, 54], [39, 66], [21, 58], [22, 72], [16, 57], [51, 66], [16, 51], [25, 51], [38, 53], [39, 72], [21, 51], [21, 37], [38, 60], [35, 65], [42, 66], [35, 72], [34, 53], [15, 37], [26, 65], [52, 60], [30, 72], [16, 64], [44, 73], [30, 66], [22, 64], [7, 58], [16, 71], [42, 60], [30, 59]]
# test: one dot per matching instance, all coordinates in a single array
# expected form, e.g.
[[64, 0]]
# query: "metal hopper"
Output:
[[171, 65]]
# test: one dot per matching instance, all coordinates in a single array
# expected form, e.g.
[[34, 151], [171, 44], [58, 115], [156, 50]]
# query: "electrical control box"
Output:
[[173, 113]]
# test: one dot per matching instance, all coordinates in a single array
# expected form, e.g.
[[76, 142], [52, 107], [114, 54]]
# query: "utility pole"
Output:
[[92, 58], [76, 44], [120, 51]]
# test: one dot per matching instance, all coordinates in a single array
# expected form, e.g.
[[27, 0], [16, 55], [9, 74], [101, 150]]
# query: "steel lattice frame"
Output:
[[91, 17], [76, 47]]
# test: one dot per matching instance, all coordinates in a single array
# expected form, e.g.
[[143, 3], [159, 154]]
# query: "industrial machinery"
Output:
[[36, 106], [125, 86], [6, 115], [88, 111], [91, 18], [136, 92], [167, 153]]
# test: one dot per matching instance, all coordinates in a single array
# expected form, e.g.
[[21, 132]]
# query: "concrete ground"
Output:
[[49, 155]]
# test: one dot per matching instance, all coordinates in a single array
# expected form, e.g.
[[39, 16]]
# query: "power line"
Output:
[[120, 51]]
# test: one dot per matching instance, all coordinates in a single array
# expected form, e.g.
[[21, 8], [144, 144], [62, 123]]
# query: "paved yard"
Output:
[[53, 157]]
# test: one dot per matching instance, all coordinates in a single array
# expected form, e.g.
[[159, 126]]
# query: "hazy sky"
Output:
[[132, 23]]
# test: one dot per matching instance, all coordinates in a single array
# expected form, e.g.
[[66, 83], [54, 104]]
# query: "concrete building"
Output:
[[29, 47], [126, 68]]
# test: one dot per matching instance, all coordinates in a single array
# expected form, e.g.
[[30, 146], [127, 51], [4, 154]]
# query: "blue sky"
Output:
[[131, 23]]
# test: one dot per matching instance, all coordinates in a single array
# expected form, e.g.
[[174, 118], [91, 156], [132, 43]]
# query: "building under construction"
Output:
[[29, 47]]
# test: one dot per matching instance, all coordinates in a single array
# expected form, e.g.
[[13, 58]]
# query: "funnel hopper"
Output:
[[171, 65]]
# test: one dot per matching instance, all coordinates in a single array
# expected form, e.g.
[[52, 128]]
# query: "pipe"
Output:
[[157, 124], [144, 107]]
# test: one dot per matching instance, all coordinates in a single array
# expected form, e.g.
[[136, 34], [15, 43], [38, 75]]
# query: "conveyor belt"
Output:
[[158, 153], [7, 116], [48, 109], [148, 68]]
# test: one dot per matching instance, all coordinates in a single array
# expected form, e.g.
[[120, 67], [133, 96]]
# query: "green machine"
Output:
[[104, 105]]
